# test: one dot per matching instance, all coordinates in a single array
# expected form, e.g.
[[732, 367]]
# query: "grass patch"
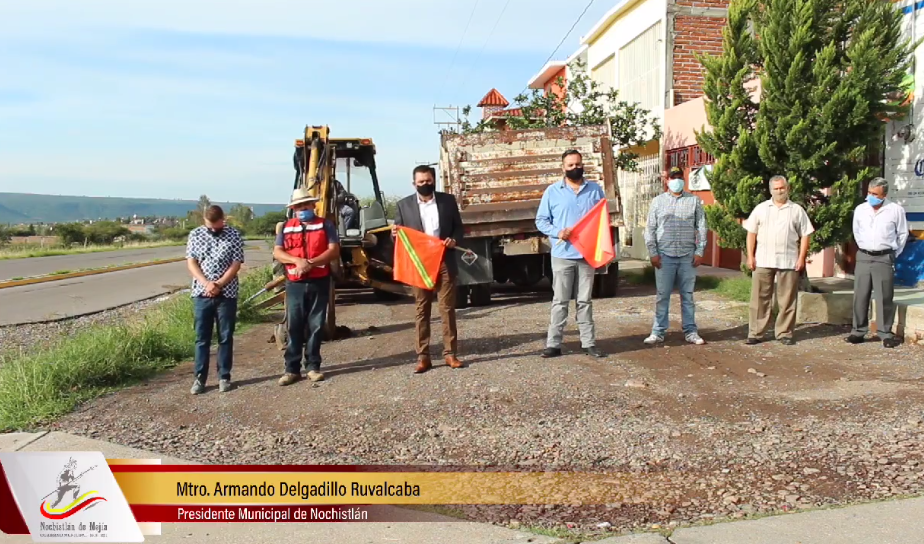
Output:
[[26, 251], [38, 386], [60, 272]]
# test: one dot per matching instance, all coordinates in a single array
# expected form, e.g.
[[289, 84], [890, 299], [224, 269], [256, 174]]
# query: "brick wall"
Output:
[[694, 34]]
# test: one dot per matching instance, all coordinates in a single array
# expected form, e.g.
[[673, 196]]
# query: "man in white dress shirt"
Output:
[[779, 232], [880, 230]]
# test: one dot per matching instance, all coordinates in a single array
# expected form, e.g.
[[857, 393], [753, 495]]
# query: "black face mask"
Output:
[[575, 174], [426, 189]]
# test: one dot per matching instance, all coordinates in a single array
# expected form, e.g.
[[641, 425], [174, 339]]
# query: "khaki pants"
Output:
[[787, 290], [445, 289]]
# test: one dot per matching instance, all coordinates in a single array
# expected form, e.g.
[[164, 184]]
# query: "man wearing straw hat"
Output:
[[305, 246]]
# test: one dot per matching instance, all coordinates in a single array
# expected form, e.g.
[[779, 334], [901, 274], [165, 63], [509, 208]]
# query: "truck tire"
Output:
[[607, 285], [462, 297], [481, 294]]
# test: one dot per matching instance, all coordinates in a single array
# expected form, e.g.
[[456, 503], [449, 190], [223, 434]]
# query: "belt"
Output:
[[877, 253]]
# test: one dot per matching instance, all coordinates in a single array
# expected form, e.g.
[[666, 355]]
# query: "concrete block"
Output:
[[909, 322], [16, 441], [832, 308]]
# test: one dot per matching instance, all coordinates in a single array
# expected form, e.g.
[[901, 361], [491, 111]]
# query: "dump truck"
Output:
[[498, 179]]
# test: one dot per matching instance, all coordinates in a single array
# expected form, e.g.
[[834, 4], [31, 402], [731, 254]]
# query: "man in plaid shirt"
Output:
[[676, 240]]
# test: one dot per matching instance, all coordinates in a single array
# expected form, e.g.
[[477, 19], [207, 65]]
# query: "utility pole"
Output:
[[447, 116]]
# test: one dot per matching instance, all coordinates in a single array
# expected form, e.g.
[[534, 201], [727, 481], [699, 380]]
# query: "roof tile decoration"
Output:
[[493, 98]]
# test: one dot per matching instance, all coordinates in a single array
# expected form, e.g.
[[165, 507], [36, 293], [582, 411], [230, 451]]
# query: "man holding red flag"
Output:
[[435, 214], [563, 205]]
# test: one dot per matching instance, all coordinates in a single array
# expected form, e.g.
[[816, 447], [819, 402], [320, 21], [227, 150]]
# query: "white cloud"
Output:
[[527, 25]]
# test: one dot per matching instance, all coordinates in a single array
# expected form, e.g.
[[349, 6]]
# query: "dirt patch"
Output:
[[733, 430]]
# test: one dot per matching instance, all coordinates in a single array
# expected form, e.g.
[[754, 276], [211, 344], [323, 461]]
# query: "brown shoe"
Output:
[[423, 365], [453, 362]]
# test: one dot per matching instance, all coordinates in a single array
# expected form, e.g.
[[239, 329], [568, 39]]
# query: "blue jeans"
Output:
[[675, 272], [306, 313], [206, 312]]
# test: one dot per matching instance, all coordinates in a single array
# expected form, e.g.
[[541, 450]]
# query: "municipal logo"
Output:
[[69, 487], [68, 497]]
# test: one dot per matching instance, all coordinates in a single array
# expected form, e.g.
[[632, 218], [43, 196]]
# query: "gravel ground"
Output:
[[20, 337], [722, 430]]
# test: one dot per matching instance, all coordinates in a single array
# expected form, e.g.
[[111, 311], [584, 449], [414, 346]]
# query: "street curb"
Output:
[[95, 271]]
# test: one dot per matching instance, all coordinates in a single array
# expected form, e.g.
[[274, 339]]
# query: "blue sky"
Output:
[[173, 99]]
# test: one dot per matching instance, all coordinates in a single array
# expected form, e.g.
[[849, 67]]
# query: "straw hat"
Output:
[[300, 196]]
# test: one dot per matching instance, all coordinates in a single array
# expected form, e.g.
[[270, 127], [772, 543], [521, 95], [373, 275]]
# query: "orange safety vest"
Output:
[[305, 241]]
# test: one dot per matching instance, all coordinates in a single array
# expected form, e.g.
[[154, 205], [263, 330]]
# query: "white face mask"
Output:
[[675, 185]]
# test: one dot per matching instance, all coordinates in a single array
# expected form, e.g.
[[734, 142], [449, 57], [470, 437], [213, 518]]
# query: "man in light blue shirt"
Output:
[[563, 204]]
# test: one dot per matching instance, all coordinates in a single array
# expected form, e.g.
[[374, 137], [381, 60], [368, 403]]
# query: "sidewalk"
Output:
[[895, 522]]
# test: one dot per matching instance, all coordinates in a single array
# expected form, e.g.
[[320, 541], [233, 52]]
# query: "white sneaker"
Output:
[[694, 338], [654, 339]]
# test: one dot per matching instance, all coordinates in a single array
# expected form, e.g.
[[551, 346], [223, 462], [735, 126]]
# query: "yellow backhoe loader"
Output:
[[366, 244]]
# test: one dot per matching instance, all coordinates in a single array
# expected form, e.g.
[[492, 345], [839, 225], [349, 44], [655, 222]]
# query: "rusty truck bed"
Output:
[[499, 177]]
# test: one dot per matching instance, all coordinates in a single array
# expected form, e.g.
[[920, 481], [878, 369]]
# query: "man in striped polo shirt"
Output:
[[779, 232], [676, 241]]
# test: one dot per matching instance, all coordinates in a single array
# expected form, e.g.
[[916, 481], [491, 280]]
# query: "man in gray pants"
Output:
[[563, 204], [880, 230]]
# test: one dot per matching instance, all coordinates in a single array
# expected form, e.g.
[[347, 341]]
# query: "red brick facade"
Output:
[[694, 33]]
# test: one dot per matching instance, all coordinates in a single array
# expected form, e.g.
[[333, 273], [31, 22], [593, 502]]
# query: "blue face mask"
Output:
[[675, 185], [306, 215], [874, 200]]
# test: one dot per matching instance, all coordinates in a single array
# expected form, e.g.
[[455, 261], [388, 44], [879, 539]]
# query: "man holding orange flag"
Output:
[[564, 205], [436, 215]]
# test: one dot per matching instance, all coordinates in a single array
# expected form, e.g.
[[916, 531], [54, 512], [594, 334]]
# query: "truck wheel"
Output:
[[462, 297], [481, 294], [607, 285]]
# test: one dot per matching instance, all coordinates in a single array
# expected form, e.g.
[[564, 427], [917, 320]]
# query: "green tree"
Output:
[[583, 102], [265, 225], [105, 232], [5, 235], [70, 233], [203, 204], [241, 217], [826, 69]]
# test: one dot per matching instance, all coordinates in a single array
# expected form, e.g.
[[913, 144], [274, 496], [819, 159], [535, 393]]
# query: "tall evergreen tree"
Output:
[[826, 68]]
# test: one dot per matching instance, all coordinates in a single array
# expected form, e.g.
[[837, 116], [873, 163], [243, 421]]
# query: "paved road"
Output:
[[40, 266], [78, 296]]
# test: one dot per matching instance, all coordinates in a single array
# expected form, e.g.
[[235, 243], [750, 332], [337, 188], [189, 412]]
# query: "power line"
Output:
[[581, 16], [484, 45], [459, 47]]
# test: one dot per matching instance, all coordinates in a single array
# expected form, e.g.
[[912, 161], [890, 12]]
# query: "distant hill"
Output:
[[29, 208]]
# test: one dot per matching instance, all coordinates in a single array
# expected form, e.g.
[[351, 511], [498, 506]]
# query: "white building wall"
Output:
[[634, 21]]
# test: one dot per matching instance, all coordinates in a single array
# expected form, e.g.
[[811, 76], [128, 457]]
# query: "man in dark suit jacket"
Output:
[[436, 214]]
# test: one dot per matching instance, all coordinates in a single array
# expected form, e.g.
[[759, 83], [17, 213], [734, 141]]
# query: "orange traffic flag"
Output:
[[417, 258], [591, 236]]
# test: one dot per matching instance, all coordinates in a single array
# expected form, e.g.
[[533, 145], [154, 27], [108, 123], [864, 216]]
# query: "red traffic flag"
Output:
[[417, 258], [591, 236]]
